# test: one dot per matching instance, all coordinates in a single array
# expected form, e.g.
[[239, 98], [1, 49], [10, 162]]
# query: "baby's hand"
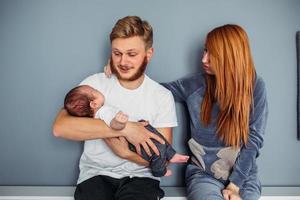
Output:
[[119, 121], [121, 117]]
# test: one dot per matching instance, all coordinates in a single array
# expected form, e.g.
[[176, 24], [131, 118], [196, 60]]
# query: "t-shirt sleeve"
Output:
[[93, 80], [166, 111], [97, 81], [87, 81]]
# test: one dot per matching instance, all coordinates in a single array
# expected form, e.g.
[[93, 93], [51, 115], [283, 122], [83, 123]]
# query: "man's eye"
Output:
[[117, 54], [132, 54]]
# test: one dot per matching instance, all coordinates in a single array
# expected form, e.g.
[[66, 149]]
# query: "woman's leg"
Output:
[[201, 186]]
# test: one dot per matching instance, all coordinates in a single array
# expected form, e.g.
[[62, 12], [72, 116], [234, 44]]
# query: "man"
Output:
[[108, 169]]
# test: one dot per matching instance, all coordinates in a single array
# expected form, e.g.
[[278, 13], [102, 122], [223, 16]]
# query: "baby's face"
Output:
[[98, 98]]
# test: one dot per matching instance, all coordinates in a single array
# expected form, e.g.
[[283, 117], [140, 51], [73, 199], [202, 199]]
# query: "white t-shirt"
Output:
[[107, 113], [150, 101]]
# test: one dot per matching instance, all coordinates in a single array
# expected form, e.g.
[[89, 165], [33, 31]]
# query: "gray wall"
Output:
[[47, 47]]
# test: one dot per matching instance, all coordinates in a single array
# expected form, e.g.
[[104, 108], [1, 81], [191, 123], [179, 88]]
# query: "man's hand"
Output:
[[231, 192], [119, 146], [138, 135]]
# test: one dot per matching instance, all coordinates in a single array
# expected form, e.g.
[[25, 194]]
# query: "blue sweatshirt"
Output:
[[208, 151]]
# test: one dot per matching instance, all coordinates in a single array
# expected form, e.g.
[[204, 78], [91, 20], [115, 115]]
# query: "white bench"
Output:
[[172, 193]]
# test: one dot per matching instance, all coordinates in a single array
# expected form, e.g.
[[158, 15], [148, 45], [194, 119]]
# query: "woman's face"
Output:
[[205, 62]]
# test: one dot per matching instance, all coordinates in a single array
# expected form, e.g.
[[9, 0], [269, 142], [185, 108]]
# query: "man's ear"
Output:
[[149, 54]]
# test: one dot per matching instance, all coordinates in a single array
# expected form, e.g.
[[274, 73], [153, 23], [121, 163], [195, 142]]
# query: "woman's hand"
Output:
[[230, 195], [138, 135], [107, 69], [231, 192]]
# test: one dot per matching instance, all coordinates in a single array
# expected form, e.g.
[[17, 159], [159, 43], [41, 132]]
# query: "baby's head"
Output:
[[83, 101]]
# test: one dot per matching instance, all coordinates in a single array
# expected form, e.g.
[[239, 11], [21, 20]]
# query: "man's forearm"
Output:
[[133, 157], [81, 128]]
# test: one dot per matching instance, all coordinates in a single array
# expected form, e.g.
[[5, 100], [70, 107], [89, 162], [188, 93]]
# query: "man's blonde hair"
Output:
[[131, 26]]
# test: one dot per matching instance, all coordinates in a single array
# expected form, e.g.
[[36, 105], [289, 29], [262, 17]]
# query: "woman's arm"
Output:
[[182, 88], [177, 90], [249, 152]]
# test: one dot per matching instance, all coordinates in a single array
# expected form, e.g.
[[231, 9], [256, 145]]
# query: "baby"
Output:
[[85, 101]]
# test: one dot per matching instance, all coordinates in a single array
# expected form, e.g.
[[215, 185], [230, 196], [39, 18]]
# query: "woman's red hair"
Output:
[[231, 86]]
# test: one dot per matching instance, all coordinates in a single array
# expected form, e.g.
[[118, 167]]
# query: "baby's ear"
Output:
[[93, 104]]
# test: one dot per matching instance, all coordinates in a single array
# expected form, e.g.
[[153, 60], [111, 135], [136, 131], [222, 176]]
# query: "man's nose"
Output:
[[123, 60]]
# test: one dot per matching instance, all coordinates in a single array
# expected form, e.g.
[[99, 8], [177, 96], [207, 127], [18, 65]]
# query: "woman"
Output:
[[228, 112]]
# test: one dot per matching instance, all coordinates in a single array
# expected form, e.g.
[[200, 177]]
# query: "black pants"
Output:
[[107, 188]]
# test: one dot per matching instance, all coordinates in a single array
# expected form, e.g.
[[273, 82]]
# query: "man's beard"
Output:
[[135, 76]]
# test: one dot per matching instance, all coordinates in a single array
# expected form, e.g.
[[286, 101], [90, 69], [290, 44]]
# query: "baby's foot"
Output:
[[121, 117], [179, 158], [168, 173]]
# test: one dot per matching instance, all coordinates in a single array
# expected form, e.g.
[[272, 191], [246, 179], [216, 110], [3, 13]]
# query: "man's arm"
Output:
[[167, 133], [81, 128], [133, 157], [139, 136], [120, 147]]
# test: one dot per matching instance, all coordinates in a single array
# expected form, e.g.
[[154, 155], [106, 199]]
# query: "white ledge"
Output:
[[171, 193]]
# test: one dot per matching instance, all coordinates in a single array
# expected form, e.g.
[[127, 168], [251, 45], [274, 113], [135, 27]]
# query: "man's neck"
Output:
[[131, 85]]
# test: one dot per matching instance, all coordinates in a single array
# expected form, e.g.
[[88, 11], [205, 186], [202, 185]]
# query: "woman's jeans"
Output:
[[202, 186]]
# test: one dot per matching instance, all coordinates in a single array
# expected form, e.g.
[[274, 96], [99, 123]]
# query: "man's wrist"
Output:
[[113, 132], [126, 155], [124, 131], [137, 159]]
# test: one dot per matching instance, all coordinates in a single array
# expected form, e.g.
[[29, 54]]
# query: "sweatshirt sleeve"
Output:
[[176, 87], [249, 152], [182, 88]]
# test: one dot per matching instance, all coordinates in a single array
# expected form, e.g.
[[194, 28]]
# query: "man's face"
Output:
[[129, 58]]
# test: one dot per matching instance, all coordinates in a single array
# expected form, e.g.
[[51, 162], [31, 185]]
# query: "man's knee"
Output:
[[94, 188]]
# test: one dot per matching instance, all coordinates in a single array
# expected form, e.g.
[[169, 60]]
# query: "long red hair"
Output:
[[232, 84]]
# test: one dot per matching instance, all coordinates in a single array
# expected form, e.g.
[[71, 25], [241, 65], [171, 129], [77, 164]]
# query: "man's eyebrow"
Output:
[[131, 50], [128, 50]]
